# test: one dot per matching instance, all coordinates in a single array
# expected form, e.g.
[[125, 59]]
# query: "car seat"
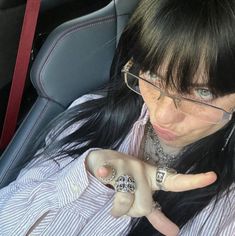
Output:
[[74, 60], [11, 19]]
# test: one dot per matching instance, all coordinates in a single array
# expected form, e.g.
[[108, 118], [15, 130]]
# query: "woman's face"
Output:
[[177, 129]]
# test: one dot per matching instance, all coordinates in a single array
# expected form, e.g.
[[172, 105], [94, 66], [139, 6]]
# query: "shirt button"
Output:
[[75, 188]]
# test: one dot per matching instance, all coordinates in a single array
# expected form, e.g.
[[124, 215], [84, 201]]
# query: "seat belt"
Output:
[[20, 71]]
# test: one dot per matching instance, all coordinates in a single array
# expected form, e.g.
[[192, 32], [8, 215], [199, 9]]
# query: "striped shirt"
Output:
[[66, 200]]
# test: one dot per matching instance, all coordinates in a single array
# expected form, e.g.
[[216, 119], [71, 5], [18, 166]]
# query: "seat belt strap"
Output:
[[20, 71]]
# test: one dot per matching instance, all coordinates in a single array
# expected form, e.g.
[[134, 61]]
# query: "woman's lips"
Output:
[[164, 133]]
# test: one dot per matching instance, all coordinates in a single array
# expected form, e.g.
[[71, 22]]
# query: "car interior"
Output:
[[63, 53], [52, 14]]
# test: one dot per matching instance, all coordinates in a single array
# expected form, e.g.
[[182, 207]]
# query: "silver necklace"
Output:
[[153, 151]]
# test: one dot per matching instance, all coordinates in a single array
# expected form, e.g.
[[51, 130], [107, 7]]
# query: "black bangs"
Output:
[[186, 41]]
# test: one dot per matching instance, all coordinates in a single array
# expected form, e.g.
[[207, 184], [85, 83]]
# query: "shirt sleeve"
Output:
[[37, 191], [42, 185]]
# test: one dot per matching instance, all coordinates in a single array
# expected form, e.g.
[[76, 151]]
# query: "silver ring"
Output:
[[161, 175], [125, 184], [111, 178]]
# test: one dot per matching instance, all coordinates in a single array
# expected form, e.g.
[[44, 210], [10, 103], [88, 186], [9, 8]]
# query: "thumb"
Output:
[[164, 225]]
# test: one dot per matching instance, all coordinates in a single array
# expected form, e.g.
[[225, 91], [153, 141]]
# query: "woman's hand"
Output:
[[140, 203]]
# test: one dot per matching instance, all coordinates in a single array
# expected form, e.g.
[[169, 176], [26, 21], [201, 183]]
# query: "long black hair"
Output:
[[186, 37]]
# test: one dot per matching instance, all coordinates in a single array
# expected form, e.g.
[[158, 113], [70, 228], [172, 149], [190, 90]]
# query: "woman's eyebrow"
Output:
[[193, 85]]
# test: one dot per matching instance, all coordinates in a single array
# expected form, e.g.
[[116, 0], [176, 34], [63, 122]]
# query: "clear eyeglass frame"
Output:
[[225, 115]]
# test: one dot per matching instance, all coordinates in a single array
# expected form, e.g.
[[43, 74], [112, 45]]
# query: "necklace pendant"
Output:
[[153, 151]]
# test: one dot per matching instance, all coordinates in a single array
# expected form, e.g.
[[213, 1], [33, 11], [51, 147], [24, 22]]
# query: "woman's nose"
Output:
[[166, 112]]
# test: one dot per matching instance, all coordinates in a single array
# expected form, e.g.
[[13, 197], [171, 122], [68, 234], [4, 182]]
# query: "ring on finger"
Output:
[[125, 184], [113, 175], [161, 175]]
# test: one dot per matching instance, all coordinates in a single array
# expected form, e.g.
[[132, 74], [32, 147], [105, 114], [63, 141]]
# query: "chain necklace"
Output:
[[153, 151]]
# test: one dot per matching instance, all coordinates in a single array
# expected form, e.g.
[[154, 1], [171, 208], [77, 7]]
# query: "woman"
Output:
[[168, 107]]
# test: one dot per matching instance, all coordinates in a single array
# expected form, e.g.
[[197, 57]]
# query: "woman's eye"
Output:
[[153, 78], [203, 94]]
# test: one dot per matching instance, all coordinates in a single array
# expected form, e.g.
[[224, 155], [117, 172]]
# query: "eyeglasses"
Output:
[[203, 111]]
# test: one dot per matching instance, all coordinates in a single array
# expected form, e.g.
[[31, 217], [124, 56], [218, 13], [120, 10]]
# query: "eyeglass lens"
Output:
[[198, 110]]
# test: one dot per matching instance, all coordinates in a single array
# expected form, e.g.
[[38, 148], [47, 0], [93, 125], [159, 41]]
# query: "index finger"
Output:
[[185, 182], [181, 182]]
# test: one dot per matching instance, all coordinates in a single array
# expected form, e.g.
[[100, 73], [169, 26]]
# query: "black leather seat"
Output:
[[11, 19], [74, 60]]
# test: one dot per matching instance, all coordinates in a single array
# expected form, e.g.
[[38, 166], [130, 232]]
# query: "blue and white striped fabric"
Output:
[[49, 200]]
